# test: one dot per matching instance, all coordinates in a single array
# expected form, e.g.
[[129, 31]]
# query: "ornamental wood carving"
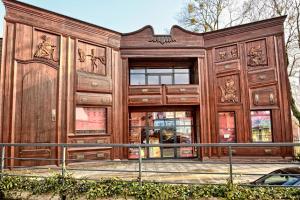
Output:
[[257, 53], [162, 39], [94, 59], [255, 56], [226, 53], [228, 87], [45, 49], [91, 58]]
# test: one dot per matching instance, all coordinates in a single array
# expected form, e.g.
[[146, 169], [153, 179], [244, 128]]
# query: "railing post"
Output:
[[140, 165], [230, 164], [2, 160], [63, 168], [63, 161]]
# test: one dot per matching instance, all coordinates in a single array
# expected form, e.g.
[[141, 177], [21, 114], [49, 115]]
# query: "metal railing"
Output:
[[63, 161]]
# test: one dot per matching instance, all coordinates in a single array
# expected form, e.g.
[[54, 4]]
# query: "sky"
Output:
[[119, 15]]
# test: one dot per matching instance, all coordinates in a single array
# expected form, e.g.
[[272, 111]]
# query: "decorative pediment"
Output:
[[178, 38]]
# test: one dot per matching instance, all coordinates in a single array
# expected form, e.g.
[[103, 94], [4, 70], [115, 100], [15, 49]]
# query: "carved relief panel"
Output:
[[264, 97], [46, 46], [257, 53], [228, 89], [226, 53], [91, 58]]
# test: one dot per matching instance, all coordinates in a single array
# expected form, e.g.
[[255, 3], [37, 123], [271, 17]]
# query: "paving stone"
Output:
[[167, 166]]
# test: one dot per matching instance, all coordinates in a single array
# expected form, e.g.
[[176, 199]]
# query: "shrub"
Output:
[[71, 188]]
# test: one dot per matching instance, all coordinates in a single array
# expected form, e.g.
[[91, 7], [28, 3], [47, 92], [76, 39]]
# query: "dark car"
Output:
[[284, 177]]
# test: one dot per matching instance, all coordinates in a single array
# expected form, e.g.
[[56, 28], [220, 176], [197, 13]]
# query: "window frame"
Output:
[[235, 126], [172, 74], [271, 128], [107, 121]]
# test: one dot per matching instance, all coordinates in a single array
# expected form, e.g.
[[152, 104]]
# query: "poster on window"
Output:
[[227, 127], [90, 120], [154, 152], [186, 152], [134, 153], [135, 135], [261, 126], [137, 119]]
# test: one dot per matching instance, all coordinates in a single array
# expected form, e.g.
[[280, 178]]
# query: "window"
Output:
[[261, 126], [161, 128], [281, 180], [227, 132], [90, 120], [159, 76]]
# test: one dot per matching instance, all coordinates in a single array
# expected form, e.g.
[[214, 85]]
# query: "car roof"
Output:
[[289, 170]]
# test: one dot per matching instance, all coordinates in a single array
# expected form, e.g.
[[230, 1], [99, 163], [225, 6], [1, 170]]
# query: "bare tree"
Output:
[[258, 10], [209, 15]]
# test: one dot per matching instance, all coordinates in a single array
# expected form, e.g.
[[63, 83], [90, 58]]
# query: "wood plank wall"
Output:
[[53, 65]]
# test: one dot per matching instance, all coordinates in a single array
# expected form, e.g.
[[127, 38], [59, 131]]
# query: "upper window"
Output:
[[261, 126], [159, 76]]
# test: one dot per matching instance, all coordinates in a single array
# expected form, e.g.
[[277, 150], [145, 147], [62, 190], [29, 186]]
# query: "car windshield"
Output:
[[281, 180]]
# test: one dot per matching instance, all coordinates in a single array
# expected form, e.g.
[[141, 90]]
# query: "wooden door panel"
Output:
[[265, 97], [95, 99], [145, 100], [183, 99], [145, 90], [36, 100], [226, 67], [93, 83], [182, 89], [262, 77]]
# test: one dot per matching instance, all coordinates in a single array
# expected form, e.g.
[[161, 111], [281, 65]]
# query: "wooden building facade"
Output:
[[68, 81]]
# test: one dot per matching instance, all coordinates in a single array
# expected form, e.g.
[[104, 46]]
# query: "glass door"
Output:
[[162, 128], [154, 138], [184, 130], [168, 135]]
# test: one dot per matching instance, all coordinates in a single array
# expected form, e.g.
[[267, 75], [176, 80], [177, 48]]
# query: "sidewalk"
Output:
[[182, 171]]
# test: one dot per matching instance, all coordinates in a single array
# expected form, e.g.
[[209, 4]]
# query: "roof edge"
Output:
[[6, 2], [208, 35], [139, 30], [269, 22], [277, 20], [184, 30]]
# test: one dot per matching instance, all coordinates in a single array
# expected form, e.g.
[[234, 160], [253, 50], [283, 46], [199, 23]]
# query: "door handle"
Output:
[[226, 66], [53, 115], [94, 84], [262, 77], [256, 99], [272, 99]]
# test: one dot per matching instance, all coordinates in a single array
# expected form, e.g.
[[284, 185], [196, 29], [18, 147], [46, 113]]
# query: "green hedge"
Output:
[[71, 188]]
